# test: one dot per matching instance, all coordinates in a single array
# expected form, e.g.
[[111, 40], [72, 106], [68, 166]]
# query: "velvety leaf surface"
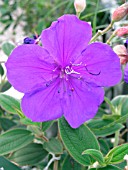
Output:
[[78, 140], [46, 125], [118, 153], [97, 155], [7, 165], [29, 155], [53, 146], [14, 139], [10, 104], [70, 164]]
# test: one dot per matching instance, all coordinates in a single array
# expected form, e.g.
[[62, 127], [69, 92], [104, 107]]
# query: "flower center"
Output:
[[69, 70]]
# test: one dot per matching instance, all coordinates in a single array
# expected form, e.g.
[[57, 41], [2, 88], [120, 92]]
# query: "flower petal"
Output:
[[81, 104], [27, 67], [100, 65], [43, 104], [66, 38], [126, 74]]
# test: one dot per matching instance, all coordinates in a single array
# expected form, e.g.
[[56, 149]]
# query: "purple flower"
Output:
[[66, 76], [126, 68]]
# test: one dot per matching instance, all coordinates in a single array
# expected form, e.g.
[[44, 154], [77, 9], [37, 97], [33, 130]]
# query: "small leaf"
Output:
[[1, 70], [5, 86], [97, 155], [104, 127], [104, 147], [6, 123], [109, 167], [78, 140], [10, 104], [70, 164], [14, 139], [110, 105], [7, 165], [54, 146], [123, 101], [46, 125], [7, 48], [118, 153], [29, 155], [27, 121]]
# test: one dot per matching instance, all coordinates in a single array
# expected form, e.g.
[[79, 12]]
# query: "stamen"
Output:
[[69, 70], [77, 64], [95, 74]]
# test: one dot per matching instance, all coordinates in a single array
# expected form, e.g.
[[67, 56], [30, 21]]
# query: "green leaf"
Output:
[[118, 153], [54, 146], [10, 104], [5, 86], [14, 139], [78, 140], [122, 103], [27, 121], [110, 105], [7, 165], [1, 70], [6, 123], [109, 167], [97, 155], [104, 127], [46, 125], [29, 155], [104, 147], [7, 48], [70, 164]]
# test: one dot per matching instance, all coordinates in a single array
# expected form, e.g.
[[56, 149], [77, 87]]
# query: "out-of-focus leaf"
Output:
[[54, 146], [6, 123], [14, 139], [5, 86], [29, 155], [109, 167], [7, 165], [78, 140], [46, 125], [104, 147], [7, 48], [71, 164], [10, 104], [27, 121], [1, 70], [122, 102], [104, 127]]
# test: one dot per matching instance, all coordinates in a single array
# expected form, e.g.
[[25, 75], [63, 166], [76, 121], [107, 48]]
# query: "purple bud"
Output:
[[28, 40], [126, 44]]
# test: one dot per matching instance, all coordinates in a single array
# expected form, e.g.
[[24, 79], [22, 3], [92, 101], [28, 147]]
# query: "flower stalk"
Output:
[[102, 32]]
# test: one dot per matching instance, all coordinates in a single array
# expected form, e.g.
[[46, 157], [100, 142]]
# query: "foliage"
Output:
[[34, 144]]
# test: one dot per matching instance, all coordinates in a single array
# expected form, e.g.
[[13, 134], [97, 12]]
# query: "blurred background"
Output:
[[20, 19]]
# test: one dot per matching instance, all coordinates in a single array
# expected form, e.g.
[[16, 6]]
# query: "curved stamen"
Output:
[[94, 74]]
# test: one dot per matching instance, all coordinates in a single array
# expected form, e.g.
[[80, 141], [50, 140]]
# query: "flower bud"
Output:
[[79, 5], [120, 12], [121, 51], [126, 44], [122, 31]]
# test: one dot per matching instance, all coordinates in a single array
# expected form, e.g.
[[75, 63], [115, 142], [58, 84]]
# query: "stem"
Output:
[[116, 138], [101, 32], [95, 17], [55, 167], [78, 14], [110, 38], [54, 159]]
